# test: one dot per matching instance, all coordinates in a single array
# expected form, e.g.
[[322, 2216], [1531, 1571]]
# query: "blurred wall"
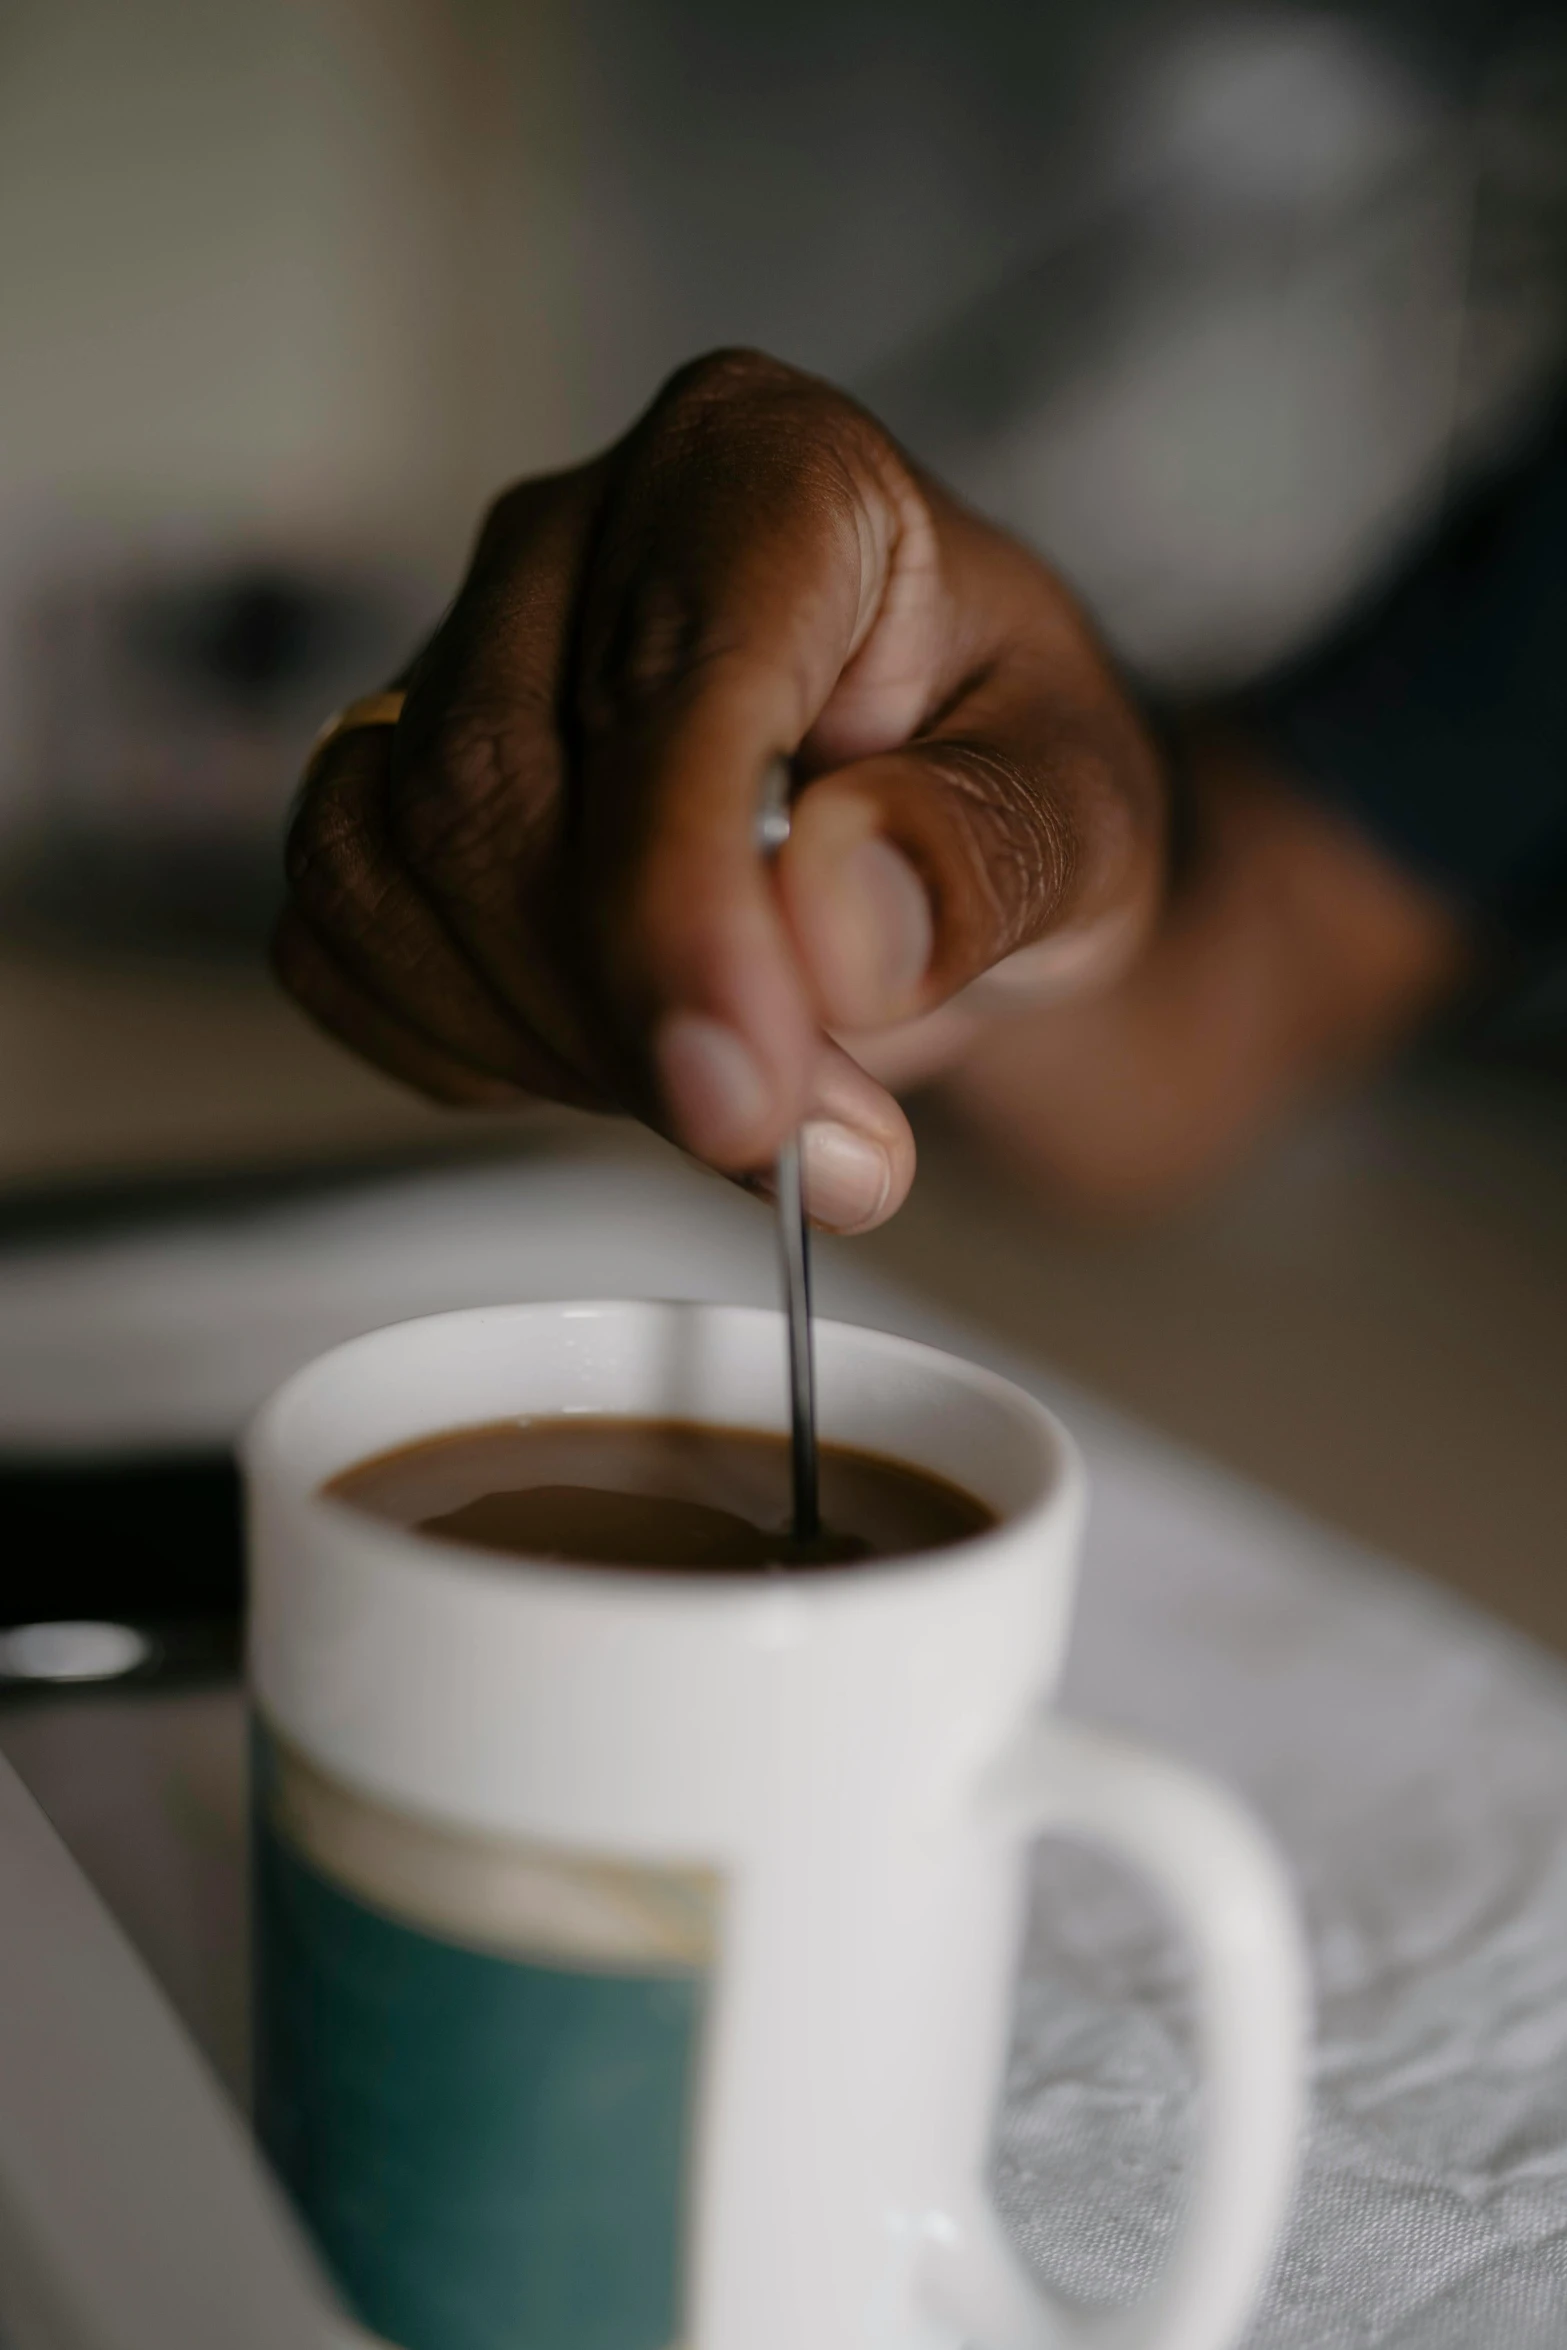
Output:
[[1203, 300], [288, 282], [281, 268]]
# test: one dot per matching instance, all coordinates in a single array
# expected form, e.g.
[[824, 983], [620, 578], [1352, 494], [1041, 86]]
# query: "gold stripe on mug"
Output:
[[489, 1892]]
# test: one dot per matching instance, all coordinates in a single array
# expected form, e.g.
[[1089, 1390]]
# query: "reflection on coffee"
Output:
[[654, 1493]]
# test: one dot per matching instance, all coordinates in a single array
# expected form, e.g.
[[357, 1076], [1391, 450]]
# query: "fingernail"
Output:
[[894, 922], [713, 1091], [846, 1177]]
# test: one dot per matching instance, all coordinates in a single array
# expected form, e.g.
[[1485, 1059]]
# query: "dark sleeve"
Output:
[[1437, 720]]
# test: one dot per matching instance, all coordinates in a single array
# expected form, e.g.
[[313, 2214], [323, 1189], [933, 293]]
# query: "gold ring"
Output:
[[369, 710]]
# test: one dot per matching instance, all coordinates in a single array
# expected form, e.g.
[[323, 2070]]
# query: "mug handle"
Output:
[[1220, 1875]]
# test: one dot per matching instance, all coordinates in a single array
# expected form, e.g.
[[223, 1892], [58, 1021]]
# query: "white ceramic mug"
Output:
[[636, 1950]]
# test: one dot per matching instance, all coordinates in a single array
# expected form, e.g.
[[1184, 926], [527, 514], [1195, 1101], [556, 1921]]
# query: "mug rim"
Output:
[[1060, 1487]]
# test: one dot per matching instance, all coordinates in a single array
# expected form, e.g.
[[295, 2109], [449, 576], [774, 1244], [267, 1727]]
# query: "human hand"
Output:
[[545, 881]]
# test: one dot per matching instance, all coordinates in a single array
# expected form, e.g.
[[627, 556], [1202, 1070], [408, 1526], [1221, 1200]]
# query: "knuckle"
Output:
[[539, 506], [759, 431], [477, 796], [325, 857], [656, 637], [743, 470], [721, 379]]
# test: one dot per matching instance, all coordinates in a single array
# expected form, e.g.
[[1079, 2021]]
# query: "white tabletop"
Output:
[[1409, 1753]]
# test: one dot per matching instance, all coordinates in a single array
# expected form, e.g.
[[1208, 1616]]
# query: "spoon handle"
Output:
[[794, 1233], [794, 1237]]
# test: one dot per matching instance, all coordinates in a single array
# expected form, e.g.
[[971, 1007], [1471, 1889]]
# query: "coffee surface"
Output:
[[654, 1493]]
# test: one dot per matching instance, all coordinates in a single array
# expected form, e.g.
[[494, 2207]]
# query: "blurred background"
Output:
[[1219, 307]]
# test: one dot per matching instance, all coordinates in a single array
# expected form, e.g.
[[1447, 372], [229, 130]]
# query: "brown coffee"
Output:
[[654, 1493]]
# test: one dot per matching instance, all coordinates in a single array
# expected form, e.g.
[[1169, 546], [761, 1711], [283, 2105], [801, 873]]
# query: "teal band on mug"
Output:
[[489, 2146]]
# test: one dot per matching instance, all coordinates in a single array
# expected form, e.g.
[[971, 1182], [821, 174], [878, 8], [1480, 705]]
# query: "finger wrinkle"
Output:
[[334, 874], [651, 659], [475, 800], [1021, 846]]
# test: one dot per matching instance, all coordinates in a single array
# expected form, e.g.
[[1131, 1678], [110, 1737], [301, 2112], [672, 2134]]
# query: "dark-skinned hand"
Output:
[[545, 880]]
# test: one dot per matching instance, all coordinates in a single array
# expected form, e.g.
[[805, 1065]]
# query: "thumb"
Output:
[[1026, 814]]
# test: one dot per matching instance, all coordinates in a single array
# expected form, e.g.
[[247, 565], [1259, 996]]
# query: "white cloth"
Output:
[[1411, 1755]]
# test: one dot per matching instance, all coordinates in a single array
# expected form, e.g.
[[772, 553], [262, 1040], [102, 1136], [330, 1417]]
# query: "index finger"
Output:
[[765, 562]]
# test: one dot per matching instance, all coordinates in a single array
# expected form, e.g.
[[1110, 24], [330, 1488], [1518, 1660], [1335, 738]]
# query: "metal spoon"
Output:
[[794, 1235]]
